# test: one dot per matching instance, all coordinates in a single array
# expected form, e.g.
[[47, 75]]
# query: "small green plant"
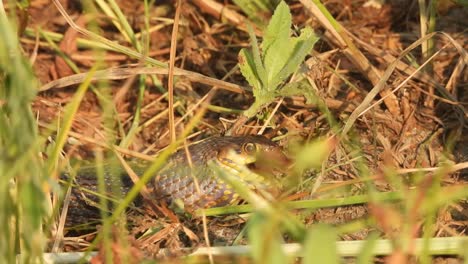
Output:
[[267, 67]]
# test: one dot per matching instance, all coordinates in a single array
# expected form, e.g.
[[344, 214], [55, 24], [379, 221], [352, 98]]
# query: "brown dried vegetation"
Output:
[[424, 129]]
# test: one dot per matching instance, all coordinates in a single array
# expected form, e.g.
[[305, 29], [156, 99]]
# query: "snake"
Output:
[[194, 176]]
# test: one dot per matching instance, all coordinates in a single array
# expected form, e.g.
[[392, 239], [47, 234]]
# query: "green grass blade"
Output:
[[70, 112], [320, 246], [23, 204], [310, 204]]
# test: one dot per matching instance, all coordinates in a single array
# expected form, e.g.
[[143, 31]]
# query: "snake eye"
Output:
[[250, 148]]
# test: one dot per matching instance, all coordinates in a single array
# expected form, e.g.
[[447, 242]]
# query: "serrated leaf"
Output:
[[276, 43], [279, 27], [260, 69], [275, 58], [281, 56], [302, 46], [248, 70]]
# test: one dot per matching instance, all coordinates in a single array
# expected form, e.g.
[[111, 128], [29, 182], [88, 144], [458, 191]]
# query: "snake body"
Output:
[[191, 175]]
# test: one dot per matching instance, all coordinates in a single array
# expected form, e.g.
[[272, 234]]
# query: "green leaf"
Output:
[[302, 88], [281, 56], [320, 246], [248, 69], [276, 58], [276, 43], [301, 47], [279, 27], [261, 73]]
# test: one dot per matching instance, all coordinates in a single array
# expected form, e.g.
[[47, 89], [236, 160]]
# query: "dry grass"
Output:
[[395, 119]]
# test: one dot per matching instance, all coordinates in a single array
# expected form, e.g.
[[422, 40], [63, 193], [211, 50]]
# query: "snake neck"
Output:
[[242, 173]]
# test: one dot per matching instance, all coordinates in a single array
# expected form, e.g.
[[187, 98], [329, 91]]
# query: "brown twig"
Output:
[[124, 73]]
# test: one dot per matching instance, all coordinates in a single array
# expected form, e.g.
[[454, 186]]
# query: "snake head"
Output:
[[256, 152]]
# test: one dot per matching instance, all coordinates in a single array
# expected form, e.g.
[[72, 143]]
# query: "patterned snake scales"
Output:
[[195, 181]]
